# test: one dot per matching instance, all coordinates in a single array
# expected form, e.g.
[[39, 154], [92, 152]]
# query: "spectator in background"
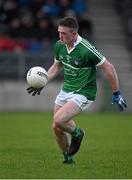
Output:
[[15, 28], [22, 45], [35, 46], [7, 44], [79, 6], [39, 19], [10, 10], [64, 5], [45, 29], [11, 45], [36, 6], [27, 23], [50, 8]]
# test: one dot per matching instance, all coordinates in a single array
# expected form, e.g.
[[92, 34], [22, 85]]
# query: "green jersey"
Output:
[[79, 65]]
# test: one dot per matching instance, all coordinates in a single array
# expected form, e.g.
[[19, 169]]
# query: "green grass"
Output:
[[28, 148]]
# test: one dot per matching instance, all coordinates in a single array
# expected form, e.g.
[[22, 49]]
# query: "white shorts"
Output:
[[80, 100]]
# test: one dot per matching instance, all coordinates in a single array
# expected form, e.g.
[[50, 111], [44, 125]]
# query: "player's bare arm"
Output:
[[111, 74], [54, 70], [117, 98]]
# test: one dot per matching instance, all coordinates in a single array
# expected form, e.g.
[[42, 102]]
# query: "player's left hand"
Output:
[[119, 101], [34, 91]]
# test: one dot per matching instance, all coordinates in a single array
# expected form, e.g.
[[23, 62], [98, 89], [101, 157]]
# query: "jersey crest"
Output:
[[68, 58], [77, 62]]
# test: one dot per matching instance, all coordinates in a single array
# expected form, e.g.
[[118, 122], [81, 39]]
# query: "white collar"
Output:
[[79, 38]]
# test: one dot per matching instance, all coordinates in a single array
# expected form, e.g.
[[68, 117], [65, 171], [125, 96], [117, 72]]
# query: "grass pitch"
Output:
[[28, 148]]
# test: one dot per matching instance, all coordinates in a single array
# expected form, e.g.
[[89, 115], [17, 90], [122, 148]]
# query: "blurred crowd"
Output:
[[31, 25], [124, 8]]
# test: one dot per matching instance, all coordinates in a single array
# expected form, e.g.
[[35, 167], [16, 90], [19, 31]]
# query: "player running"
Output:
[[79, 60]]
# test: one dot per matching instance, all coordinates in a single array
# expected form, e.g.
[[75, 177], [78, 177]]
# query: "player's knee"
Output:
[[54, 126], [57, 123], [57, 130]]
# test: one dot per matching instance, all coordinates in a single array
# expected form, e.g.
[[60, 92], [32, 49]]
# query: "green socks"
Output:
[[76, 132], [67, 159], [66, 156]]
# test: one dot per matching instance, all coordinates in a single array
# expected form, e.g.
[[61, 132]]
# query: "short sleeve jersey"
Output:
[[79, 66]]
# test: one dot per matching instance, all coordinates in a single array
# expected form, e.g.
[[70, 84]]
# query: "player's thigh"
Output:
[[67, 112], [58, 131], [56, 108]]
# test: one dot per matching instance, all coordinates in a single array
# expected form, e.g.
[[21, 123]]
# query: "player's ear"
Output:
[[74, 33]]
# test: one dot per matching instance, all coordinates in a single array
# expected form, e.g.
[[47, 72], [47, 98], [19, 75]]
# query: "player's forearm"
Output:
[[53, 72], [112, 77], [111, 74]]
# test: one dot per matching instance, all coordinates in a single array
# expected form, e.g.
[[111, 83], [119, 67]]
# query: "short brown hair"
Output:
[[70, 22]]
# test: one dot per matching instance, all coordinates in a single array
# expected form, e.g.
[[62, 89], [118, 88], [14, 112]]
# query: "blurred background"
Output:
[[28, 31]]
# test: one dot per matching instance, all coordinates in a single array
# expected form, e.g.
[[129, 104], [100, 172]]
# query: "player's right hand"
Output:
[[119, 101], [34, 91]]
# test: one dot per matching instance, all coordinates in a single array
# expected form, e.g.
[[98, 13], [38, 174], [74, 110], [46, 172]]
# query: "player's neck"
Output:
[[71, 44]]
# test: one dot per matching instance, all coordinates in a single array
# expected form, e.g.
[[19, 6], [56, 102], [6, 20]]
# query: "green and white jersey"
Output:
[[79, 65]]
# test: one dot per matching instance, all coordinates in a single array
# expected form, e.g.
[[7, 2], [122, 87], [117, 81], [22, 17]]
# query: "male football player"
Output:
[[79, 60]]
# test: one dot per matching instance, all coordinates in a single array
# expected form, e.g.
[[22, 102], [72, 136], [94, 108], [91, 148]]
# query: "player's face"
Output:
[[66, 35]]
